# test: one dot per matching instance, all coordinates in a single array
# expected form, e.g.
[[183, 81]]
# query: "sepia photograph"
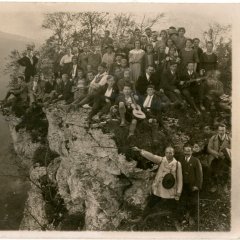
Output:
[[115, 117]]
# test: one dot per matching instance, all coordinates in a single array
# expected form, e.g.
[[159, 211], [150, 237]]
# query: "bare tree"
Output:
[[150, 22], [217, 33]]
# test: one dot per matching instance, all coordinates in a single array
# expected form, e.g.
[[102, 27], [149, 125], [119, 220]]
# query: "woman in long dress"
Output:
[[135, 61]]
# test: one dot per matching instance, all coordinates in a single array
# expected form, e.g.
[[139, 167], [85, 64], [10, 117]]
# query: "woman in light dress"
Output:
[[135, 61]]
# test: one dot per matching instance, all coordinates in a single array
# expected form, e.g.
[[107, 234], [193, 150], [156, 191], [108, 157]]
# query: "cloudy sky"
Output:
[[26, 18]]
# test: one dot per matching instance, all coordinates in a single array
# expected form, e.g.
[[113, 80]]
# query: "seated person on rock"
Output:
[[58, 91], [99, 80], [124, 102], [148, 78], [124, 66], [125, 80], [167, 185], [169, 84], [151, 106], [36, 89], [79, 86], [19, 101], [192, 87], [219, 160], [67, 94], [103, 99], [213, 90], [117, 73], [49, 88]]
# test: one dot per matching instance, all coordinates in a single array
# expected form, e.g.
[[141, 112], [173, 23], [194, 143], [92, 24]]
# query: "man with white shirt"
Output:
[[99, 80], [65, 62], [192, 183], [168, 182], [74, 68], [151, 106], [103, 99]]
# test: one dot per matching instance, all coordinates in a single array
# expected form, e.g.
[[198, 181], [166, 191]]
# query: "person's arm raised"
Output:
[[151, 157]]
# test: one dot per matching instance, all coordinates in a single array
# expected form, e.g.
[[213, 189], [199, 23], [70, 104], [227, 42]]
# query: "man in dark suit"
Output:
[[169, 84], [192, 183], [192, 91], [29, 62], [67, 94], [149, 78], [151, 106], [103, 99], [74, 67]]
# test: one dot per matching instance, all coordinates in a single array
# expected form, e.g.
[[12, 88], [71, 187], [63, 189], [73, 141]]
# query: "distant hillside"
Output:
[[8, 42]]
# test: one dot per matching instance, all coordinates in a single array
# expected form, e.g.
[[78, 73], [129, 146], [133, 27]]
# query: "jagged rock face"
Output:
[[22, 142], [92, 178], [34, 214]]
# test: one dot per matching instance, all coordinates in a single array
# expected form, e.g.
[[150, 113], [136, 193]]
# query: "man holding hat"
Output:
[[167, 185]]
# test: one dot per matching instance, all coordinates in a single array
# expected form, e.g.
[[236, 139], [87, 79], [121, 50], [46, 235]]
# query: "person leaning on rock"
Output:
[[167, 185]]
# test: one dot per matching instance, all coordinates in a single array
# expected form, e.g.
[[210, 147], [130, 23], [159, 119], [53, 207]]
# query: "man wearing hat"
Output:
[[167, 185], [109, 57], [29, 62]]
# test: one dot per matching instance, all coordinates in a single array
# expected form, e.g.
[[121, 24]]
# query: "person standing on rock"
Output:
[[167, 185], [192, 183]]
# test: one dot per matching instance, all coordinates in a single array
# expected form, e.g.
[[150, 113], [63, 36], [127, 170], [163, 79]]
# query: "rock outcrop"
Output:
[[95, 182]]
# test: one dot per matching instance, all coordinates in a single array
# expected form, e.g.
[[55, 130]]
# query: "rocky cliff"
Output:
[[98, 188]]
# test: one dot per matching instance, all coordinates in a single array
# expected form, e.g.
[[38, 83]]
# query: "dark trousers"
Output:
[[99, 105], [193, 94], [174, 97], [189, 201], [219, 171], [169, 204]]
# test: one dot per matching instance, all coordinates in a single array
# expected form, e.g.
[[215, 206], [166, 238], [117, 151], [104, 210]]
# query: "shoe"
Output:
[[213, 189], [86, 106], [178, 226], [191, 221], [122, 124], [202, 107], [225, 189]]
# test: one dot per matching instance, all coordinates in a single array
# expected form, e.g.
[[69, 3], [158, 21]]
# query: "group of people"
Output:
[[137, 80]]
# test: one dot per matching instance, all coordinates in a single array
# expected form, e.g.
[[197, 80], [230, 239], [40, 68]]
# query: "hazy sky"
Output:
[[26, 18]]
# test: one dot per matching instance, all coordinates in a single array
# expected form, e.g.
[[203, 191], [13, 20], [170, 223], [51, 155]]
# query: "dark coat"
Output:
[[142, 83], [30, 68], [169, 81], [187, 77], [155, 104], [49, 87], [71, 71], [101, 92], [192, 171], [67, 91]]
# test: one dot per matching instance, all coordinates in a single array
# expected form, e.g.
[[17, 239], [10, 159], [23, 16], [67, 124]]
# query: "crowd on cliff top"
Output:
[[136, 80]]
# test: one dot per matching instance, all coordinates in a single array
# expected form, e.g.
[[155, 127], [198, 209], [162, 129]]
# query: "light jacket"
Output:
[[164, 168], [215, 147]]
